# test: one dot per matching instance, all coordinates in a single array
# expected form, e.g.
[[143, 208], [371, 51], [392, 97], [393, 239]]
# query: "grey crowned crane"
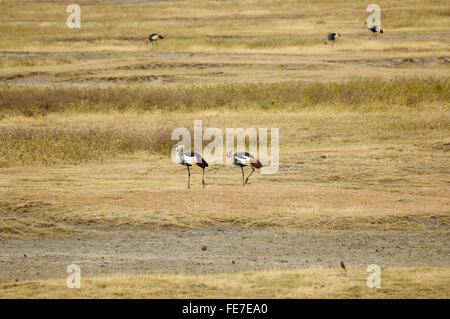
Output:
[[153, 38], [242, 159], [189, 159], [373, 28], [331, 37]]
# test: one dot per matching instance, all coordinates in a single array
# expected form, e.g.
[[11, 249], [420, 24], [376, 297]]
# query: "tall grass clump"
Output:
[[49, 146], [356, 95]]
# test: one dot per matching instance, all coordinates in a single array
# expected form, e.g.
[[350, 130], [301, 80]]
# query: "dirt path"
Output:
[[228, 249]]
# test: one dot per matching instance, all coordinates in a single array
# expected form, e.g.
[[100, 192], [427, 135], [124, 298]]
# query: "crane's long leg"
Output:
[[189, 177], [253, 169], [242, 169], [203, 178]]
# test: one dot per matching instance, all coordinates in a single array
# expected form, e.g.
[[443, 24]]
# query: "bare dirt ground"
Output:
[[228, 249]]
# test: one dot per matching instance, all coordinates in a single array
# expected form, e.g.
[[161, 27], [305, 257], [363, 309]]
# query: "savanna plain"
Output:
[[86, 178]]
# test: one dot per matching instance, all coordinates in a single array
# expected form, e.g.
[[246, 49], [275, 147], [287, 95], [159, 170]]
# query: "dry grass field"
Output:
[[305, 283], [86, 117]]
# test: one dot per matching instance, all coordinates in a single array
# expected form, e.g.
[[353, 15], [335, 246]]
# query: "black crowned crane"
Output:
[[331, 37], [153, 38], [189, 159], [373, 28], [242, 159]]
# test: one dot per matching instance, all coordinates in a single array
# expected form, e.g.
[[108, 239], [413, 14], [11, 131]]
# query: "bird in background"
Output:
[[331, 37], [373, 28], [189, 159], [343, 266], [242, 159], [153, 38]]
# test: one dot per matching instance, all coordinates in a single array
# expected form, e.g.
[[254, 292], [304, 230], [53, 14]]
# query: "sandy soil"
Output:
[[228, 249]]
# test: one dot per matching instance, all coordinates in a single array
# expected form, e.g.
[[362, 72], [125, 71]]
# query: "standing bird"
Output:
[[153, 38], [242, 159], [188, 159], [373, 28], [331, 37], [343, 266]]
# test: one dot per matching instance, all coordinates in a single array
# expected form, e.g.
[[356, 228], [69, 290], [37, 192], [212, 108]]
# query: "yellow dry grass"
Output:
[[346, 169], [214, 42], [396, 282], [364, 161]]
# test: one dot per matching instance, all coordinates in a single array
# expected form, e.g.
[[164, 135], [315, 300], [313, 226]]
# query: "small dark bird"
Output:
[[373, 28], [204, 248], [331, 37], [242, 159], [153, 38], [343, 266], [189, 159]]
